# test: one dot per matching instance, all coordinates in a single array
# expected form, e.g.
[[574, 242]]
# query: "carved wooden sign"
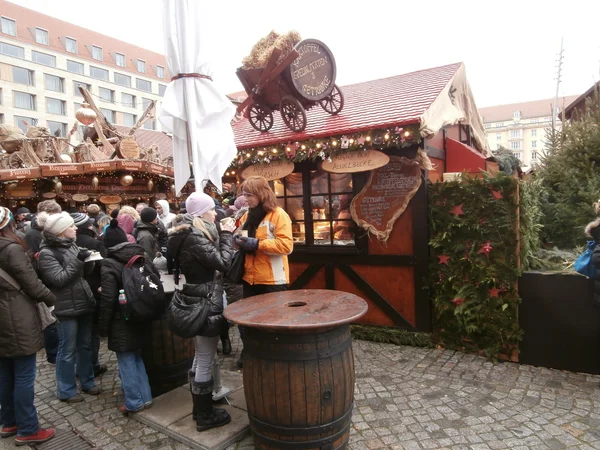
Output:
[[54, 170], [386, 196], [99, 166], [156, 169], [129, 149], [313, 71], [110, 199], [20, 174], [132, 166], [352, 162], [271, 171]]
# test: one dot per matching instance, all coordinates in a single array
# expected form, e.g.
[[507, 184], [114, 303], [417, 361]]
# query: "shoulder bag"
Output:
[[46, 316], [235, 274]]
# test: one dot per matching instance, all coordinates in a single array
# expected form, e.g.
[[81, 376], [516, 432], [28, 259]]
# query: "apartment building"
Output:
[[43, 60], [521, 127]]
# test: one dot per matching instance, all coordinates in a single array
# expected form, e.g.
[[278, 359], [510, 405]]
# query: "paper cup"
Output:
[[244, 233]]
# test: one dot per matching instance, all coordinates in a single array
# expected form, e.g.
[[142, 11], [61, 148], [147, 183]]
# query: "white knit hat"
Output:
[[55, 223]]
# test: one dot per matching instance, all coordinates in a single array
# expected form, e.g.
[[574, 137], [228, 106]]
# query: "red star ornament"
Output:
[[485, 248], [497, 194], [443, 259], [494, 292], [458, 301], [361, 140], [458, 210]]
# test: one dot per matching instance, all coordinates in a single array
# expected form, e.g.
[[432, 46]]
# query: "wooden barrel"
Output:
[[299, 388], [312, 74], [167, 358]]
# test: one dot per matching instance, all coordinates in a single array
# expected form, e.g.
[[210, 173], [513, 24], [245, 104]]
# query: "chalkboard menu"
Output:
[[386, 196]]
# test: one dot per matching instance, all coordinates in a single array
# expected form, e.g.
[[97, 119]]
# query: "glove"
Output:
[[248, 244], [83, 254]]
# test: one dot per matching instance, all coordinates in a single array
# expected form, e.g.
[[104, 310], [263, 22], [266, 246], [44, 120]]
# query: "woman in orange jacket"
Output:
[[268, 242]]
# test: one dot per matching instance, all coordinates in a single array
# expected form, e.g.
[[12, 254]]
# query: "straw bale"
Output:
[[261, 52]]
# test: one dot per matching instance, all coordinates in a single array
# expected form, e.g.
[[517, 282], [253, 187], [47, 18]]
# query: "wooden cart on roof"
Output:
[[292, 85]]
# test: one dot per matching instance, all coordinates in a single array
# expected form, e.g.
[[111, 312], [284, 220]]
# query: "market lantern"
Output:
[[95, 183], [85, 114], [58, 187], [150, 185], [126, 180]]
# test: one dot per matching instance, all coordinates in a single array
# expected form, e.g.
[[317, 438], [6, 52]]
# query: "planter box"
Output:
[[560, 321]]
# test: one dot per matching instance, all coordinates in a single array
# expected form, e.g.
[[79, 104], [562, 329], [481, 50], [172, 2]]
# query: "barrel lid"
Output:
[[303, 309], [313, 72]]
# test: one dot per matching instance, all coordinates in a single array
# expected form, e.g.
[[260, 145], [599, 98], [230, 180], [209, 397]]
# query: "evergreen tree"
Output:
[[570, 174], [508, 163]]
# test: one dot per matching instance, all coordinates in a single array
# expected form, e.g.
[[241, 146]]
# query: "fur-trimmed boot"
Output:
[[207, 416], [191, 376]]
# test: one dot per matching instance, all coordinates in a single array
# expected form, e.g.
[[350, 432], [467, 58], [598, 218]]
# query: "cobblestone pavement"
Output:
[[406, 398]]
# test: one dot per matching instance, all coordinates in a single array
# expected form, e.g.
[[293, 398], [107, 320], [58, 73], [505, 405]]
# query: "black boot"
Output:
[[207, 416], [226, 343], [191, 376]]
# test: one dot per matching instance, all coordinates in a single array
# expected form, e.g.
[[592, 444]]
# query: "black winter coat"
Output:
[[123, 336], [147, 234], [199, 258], [20, 324], [74, 297], [34, 237]]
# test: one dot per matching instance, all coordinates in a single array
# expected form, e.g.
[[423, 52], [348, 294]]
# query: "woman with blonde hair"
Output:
[[129, 211], [268, 244], [201, 251]]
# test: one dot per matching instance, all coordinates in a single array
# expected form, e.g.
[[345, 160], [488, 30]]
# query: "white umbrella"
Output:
[[193, 109]]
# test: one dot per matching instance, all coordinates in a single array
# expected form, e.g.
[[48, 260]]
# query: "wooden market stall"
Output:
[[355, 184], [111, 165]]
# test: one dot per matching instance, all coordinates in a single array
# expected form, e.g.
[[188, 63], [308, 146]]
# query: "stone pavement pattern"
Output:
[[406, 398]]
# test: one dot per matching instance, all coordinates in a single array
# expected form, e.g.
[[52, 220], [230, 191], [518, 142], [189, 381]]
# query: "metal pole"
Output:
[[559, 69]]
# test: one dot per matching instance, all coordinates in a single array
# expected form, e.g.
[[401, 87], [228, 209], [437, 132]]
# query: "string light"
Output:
[[387, 136]]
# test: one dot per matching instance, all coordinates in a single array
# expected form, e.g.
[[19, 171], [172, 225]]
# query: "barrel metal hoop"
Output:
[[259, 425], [266, 353], [310, 338], [323, 443]]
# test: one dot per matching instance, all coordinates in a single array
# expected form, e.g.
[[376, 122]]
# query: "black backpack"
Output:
[[146, 299]]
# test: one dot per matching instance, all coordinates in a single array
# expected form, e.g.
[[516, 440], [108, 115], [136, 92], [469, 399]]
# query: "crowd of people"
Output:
[[50, 260]]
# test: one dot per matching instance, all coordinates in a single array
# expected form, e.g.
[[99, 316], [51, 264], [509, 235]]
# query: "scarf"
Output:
[[211, 227], [255, 217]]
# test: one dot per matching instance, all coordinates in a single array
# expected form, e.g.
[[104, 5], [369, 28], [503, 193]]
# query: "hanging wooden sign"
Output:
[[132, 166], [61, 169], [20, 174], [100, 166], [80, 197], [352, 162], [271, 171], [129, 149], [110, 199], [386, 196]]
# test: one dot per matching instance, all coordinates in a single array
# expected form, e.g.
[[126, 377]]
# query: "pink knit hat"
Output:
[[199, 203]]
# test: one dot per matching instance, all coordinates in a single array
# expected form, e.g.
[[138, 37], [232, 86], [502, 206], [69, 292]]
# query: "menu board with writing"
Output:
[[386, 196]]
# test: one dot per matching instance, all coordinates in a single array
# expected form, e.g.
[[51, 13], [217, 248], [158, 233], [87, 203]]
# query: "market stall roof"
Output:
[[399, 100], [146, 138]]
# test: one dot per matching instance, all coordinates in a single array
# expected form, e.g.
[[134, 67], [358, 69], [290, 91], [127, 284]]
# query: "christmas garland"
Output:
[[324, 148], [474, 264]]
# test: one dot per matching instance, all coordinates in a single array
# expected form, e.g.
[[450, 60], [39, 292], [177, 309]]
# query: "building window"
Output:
[[487, 125], [109, 114], [120, 59], [122, 80], [23, 100], [141, 66], [23, 76], [22, 122], [516, 115], [128, 100], [515, 145], [41, 36], [97, 53], [499, 124], [517, 155], [160, 71], [55, 106], [161, 89], [143, 85], [97, 72], [498, 146], [43, 58], [515, 134], [150, 125], [536, 120], [533, 144], [71, 45], [74, 67], [129, 120], [12, 50], [106, 95], [1, 118], [145, 103], [534, 156], [499, 136], [76, 85], [54, 83], [9, 26], [58, 129], [321, 216], [533, 133]]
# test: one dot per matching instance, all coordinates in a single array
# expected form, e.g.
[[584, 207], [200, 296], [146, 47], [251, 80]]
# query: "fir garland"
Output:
[[474, 264]]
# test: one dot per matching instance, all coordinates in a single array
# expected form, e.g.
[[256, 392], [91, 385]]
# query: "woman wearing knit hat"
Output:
[[201, 250], [62, 268], [21, 337], [125, 338]]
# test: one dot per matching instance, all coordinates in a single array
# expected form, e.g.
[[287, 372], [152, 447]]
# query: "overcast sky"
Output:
[[509, 47]]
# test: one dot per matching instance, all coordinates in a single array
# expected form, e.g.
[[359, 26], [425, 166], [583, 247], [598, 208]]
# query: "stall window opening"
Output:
[[318, 204]]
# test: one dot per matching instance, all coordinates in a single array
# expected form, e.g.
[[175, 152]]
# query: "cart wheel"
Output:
[[334, 102], [15, 161], [292, 113], [261, 117]]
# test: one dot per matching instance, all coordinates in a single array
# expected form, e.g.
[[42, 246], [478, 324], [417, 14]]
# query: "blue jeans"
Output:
[[95, 346], [134, 380], [17, 377], [75, 346]]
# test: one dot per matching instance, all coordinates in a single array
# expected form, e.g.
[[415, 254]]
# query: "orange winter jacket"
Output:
[[269, 264]]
